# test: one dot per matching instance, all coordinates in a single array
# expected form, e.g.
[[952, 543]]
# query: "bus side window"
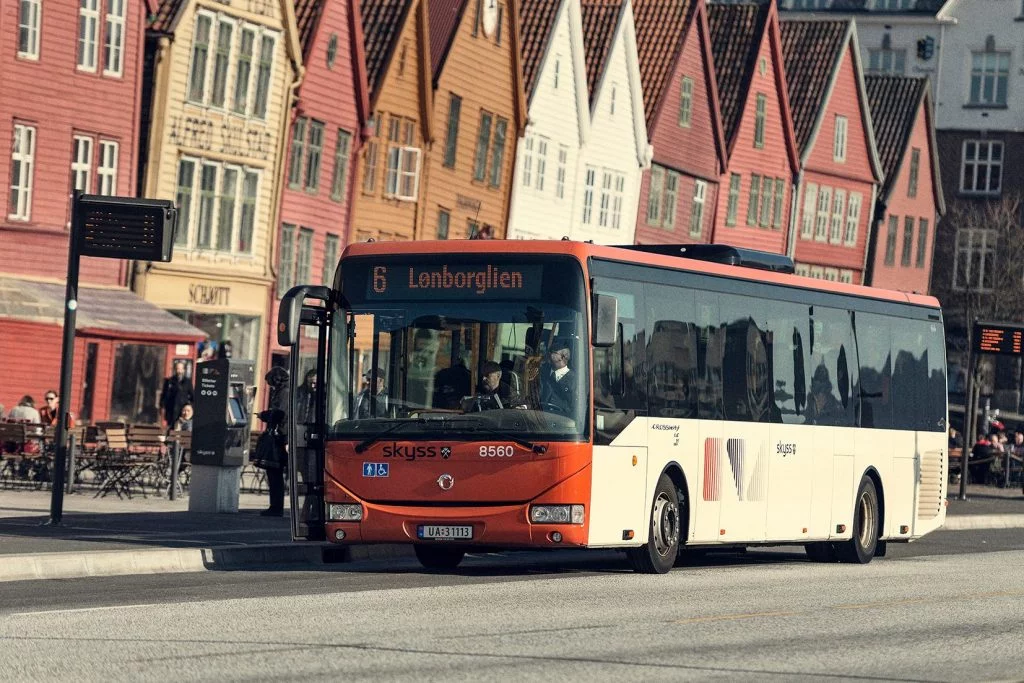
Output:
[[619, 370], [829, 399], [874, 343], [671, 351], [916, 376]]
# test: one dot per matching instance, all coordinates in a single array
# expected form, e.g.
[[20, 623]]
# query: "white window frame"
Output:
[[332, 247], [31, 27], [990, 166], [604, 206], [697, 208], [21, 187], [113, 38], [655, 188], [231, 57], [240, 203], [589, 179], [846, 276], [732, 206], [968, 241], [823, 214], [106, 171], [81, 162], [88, 45], [669, 199], [253, 210], [887, 61], [618, 191], [542, 162], [685, 102], [286, 258], [246, 94], [818, 272], [810, 211], [409, 174], [563, 163], [304, 237], [760, 118], [835, 235], [994, 70], [258, 62], [528, 161], [831, 274], [839, 139], [802, 269], [852, 218], [193, 72]]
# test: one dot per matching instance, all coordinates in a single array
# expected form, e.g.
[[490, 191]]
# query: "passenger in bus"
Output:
[[375, 403], [822, 406], [452, 384], [558, 382]]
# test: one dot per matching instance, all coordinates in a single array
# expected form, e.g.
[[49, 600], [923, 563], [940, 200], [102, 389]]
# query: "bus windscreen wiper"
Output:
[[363, 445], [537, 448]]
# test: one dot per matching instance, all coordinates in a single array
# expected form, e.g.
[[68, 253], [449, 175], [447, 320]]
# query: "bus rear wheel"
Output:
[[861, 548], [659, 553], [443, 557]]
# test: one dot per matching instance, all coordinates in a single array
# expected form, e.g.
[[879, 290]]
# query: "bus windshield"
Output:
[[474, 348]]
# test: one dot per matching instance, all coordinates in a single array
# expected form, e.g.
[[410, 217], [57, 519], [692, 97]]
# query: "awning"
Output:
[[105, 311]]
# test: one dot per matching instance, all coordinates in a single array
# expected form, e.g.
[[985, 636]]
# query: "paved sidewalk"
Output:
[[108, 536]]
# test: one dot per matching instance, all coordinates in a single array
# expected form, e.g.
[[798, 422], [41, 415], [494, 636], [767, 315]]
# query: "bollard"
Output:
[[69, 484], [175, 464]]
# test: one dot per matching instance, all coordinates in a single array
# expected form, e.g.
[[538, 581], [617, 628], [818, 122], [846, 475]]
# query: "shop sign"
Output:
[[209, 295]]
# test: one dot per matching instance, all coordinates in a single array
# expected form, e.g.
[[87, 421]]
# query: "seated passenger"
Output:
[[822, 407], [558, 382], [379, 400]]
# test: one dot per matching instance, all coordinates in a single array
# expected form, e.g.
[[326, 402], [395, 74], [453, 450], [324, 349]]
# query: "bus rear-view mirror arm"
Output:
[[606, 320], [289, 312]]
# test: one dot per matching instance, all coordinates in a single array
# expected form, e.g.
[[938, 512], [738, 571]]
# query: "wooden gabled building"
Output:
[[754, 203]]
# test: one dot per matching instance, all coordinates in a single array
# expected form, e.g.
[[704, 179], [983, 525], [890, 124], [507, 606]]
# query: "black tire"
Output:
[[442, 557], [861, 548], [690, 556], [659, 553], [821, 551]]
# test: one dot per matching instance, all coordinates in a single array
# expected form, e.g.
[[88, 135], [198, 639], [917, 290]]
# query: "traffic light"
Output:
[[926, 48]]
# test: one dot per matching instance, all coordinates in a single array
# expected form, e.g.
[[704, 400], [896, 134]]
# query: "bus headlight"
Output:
[[556, 514], [344, 512]]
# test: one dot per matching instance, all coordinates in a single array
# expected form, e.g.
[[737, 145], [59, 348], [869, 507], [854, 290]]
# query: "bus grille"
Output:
[[929, 495]]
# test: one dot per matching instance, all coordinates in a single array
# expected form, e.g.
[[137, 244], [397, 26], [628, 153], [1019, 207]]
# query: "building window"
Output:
[[990, 72], [402, 174], [839, 141], [982, 170], [852, 219], [243, 72], [81, 164], [809, 212], [846, 276], [113, 42], [802, 269], [332, 50], [107, 173], [227, 200], [28, 28], [207, 205], [558, 65], [668, 201], [304, 256], [342, 151], [451, 142], [542, 162], [23, 153], [331, 244], [617, 195], [498, 151], [734, 199], [908, 241], [563, 161], [822, 217], [247, 223], [754, 203], [88, 34], [838, 214], [818, 272], [605, 203], [890, 241], [657, 186], [780, 194], [183, 198], [697, 208], [314, 153], [371, 150], [482, 143], [831, 274], [266, 65], [297, 152], [686, 102], [200, 51], [286, 260], [528, 161], [767, 199], [915, 164], [885, 61], [922, 241], [444, 219], [221, 59], [611, 109], [974, 260], [759, 116], [588, 193]]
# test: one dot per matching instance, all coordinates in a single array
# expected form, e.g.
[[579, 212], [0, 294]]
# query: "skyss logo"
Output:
[[393, 450]]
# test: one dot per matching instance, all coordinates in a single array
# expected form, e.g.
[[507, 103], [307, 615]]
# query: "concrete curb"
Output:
[[966, 522], [178, 560]]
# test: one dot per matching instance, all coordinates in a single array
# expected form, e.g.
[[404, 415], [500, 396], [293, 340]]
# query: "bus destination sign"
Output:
[[444, 281], [998, 338]]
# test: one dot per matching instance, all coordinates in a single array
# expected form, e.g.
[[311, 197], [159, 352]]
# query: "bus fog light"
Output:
[[556, 536], [556, 514], [344, 512], [339, 535]]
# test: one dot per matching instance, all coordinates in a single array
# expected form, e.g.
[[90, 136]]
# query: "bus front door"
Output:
[[306, 424]]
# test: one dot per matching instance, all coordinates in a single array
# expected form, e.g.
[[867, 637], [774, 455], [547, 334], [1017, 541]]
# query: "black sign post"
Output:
[[105, 227], [1000, 339]]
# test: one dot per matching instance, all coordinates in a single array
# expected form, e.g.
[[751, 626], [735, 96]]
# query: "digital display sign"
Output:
[[1001, 339], [444, 281]]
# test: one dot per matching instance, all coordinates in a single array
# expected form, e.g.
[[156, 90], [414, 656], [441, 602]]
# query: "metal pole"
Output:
[[175, 464], [70, 486], [970, 408], [67, 359]]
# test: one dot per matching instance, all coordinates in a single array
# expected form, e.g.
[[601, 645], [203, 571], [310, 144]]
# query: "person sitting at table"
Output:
[[25, 411], [184, 421], [49, 414]]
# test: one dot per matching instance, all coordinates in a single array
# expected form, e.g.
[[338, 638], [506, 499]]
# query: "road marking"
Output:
[[730, 617], [88, 609]]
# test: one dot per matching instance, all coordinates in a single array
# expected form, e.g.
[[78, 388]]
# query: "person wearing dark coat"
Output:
[[558, 383], [176, 393], [276, 417]]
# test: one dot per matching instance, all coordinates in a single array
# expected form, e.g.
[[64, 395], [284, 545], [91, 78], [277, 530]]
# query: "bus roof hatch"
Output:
[[721, 253]]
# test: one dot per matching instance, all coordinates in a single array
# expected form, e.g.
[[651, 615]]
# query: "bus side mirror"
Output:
[[606, 320], [290, 311]]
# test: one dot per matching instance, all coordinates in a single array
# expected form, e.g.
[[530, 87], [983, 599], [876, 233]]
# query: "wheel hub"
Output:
[[666, 527]]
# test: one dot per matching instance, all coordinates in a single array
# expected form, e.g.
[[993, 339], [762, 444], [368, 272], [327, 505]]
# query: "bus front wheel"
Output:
[[443, 557], [861, 548], [659, 553]]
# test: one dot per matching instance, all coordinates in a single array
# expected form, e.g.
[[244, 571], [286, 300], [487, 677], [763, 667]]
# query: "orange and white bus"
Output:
[[659, 400]]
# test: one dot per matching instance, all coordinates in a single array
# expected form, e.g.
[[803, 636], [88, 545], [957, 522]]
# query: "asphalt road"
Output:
[[950, 607]]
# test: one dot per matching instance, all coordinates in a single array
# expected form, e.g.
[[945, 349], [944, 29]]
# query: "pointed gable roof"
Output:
[[736, 32], [661, 26], [813, 50], [600, 18], [537, 23], [383, 21], [166, 12], [307, 16], [894, 102], [444, 17]]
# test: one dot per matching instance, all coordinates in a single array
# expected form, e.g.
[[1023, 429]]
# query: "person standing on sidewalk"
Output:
[[176, 393], [276, 419]]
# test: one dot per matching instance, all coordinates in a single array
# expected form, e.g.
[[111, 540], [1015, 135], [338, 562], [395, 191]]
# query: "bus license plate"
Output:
[[444, 533]]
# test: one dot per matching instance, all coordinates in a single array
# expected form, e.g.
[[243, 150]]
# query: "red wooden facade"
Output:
[[685, 128], [758, 128], [316, 203]]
